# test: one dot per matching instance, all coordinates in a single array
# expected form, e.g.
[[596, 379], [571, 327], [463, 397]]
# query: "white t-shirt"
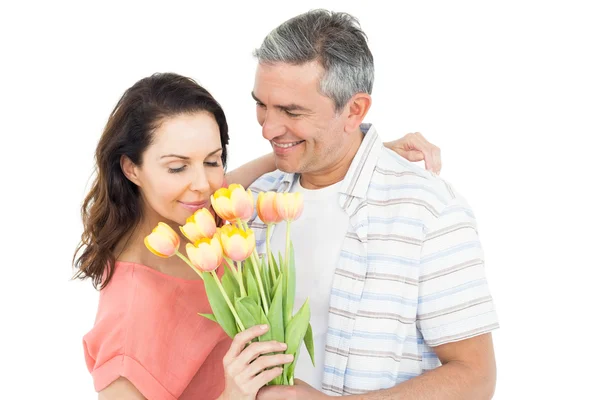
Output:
[[317, 237]]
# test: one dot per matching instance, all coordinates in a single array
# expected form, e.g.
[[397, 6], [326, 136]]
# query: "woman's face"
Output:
[[181, 168]]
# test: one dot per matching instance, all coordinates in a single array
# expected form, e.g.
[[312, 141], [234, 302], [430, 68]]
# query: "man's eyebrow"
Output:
[[285, 107]]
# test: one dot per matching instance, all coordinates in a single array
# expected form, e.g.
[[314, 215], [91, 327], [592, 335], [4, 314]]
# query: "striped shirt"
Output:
[[410, 275]]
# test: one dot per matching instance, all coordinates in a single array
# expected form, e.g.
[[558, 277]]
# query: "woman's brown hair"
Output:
[[112, 208]]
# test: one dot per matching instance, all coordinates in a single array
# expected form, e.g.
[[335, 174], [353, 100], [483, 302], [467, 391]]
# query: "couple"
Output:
[[387, 252]]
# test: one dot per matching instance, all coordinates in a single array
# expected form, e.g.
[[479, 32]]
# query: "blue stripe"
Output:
[[369, 374], [372, 296], [451, 250], [454, 290], [405, 186], [453, 209], [379, 257], [376, 336], [391, 220]]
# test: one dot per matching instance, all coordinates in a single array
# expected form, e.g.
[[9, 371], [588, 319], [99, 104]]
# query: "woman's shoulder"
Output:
[[147, 326]]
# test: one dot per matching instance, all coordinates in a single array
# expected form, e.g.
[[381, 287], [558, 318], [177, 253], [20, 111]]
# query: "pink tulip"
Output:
[[237, 244], [206, 254], [163, 241], [199, 225], [289, 205], [233, 203], [265, 207]]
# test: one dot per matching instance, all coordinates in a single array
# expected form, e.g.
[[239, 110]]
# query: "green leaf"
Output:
[[251, 285], [263, 320], [209, 316], [290, 287], [275, 316], [245, 315], [296, 328], [273, 264], [218, 305], [309, 343], [253, 308], [230, 284], [266, 281]]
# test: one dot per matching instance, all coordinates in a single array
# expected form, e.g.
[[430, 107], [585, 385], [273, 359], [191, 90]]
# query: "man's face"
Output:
[[304, 130]]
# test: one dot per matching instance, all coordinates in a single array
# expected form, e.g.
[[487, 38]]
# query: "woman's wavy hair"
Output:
[[113, 206]]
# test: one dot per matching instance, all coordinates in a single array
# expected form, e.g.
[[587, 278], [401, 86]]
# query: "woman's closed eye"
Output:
[[178, 169]]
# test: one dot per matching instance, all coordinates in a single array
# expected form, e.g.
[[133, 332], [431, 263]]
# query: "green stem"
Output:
[[287, 243], [235, 316], [238, 276], [188, 262], [271, 267], [255, 264], [237, 273]]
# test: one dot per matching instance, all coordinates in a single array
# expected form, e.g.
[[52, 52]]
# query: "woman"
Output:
[[161, 156]]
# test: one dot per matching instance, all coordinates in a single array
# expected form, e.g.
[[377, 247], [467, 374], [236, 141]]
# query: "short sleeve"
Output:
[[147, 330], [454, 302]]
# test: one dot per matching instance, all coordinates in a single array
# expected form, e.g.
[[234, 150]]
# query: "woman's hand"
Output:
[[247, 369], [414, 147]]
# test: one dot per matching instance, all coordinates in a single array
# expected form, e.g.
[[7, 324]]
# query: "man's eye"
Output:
[[212, 164], [289, 114]]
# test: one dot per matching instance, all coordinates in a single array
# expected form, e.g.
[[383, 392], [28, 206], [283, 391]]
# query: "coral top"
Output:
[[148, 330]]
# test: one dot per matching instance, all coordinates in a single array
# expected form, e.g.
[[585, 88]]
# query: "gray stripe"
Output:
[[375, 354], [387, 237], [397, 201], [373, 315], [398, 174], [467, 264], [450, 229], [377, 276], [456, 308], [464, 335], [449, 189]]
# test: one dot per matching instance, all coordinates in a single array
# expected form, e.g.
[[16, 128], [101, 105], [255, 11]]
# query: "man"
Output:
[[387, 252]]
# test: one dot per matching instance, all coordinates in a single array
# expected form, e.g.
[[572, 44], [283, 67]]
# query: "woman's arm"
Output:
[[412, 146], [120, 389], [251, 171]]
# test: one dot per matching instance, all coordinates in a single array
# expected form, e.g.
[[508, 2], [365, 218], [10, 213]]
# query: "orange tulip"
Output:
[[237, 243], [265, 207], [199, 225], [233, 203], [206, 254], [163, 241], [289, 205]]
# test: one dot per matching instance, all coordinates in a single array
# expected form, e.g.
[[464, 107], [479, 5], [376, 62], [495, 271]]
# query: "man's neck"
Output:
[[335, 171]]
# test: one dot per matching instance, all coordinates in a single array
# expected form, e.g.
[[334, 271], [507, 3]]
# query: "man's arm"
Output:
[[468, 371]]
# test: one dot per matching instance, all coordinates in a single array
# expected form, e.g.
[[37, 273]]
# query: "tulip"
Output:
[[289, 205], [265, 207], [237, 244], [233, 203], [199, 225], [206, 254], [163, 241]]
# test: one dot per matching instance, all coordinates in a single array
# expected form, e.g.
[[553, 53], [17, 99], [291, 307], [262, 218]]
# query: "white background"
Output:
[[509, 90]]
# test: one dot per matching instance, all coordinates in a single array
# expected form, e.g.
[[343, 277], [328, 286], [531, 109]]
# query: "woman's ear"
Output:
[[130, 170]]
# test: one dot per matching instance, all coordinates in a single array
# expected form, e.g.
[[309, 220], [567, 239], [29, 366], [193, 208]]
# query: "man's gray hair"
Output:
[[336, 40]]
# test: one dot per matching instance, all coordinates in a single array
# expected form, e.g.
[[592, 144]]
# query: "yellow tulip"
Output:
[[237, 243], [233, 203], [206, 254], [289, 205], [199, 225], [265, 207], [163, 241]]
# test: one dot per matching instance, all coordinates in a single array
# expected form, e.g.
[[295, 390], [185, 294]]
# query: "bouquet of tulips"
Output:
[[253, 289]]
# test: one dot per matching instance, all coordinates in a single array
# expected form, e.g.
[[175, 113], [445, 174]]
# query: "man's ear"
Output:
[[130, 170], [358, 107]]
